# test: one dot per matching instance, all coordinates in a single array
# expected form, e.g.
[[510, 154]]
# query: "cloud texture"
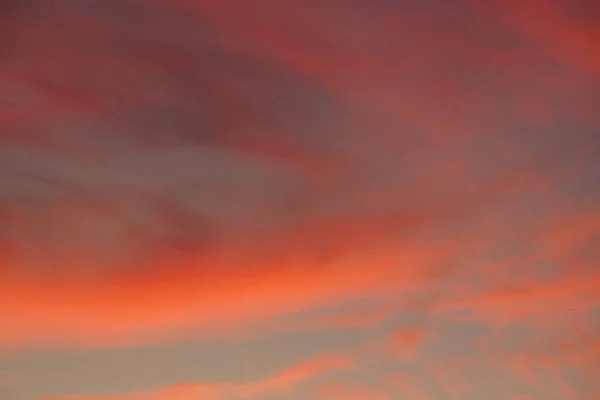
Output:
[[417, 179]]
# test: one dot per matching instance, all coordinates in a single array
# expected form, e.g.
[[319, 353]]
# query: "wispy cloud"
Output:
[[174, 170], [278, 384]]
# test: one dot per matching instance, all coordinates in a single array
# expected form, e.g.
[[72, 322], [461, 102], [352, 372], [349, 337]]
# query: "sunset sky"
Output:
[[300, 199]]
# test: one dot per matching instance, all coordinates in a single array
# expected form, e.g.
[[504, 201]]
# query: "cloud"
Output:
[[186, 299], [278, 384], [567, 33], [174, 170], [406, 341], [342, 390]]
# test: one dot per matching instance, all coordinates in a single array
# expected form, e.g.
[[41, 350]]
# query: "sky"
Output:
[[299, 200]]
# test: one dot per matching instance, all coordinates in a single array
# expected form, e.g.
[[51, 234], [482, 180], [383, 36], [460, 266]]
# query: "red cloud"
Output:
[[568, 36]]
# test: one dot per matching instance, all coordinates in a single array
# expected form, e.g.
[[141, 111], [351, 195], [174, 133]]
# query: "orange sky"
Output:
[[359, 200]]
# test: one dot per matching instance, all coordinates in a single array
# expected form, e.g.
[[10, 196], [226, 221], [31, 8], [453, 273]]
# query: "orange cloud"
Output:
[[407, 387], [405, 342], [279, 384], [346, 391], [188, 298]]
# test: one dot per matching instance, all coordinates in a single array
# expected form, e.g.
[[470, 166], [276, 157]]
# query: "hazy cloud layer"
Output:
[[421, 175]]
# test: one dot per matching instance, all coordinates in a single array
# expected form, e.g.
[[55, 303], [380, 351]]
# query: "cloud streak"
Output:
[[279, 384]]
